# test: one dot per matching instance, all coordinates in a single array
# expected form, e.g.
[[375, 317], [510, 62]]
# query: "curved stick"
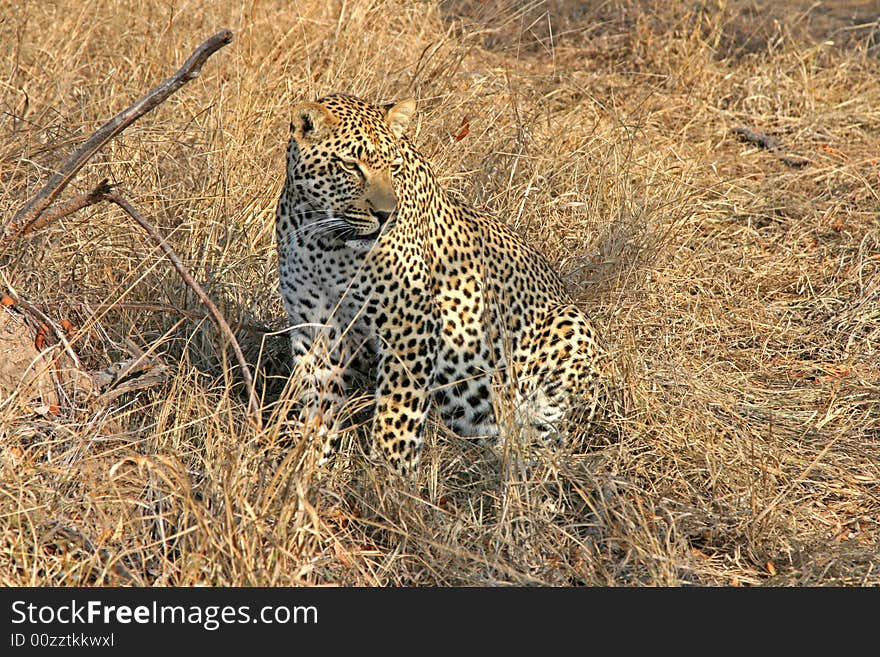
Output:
[[216, 315], [31, 210]]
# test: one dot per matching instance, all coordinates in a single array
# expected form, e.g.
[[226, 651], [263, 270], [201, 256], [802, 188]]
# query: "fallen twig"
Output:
[[129, 375], [113, 374], [770, 143], [189, 314], [762, 139]]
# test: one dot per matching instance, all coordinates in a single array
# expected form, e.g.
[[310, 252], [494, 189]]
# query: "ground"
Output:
[[738, 288]]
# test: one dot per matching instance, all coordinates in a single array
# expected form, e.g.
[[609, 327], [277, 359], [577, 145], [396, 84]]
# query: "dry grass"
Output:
[[740, 296]]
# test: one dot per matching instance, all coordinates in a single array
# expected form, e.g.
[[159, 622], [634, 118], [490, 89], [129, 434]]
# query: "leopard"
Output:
[[384, 271]]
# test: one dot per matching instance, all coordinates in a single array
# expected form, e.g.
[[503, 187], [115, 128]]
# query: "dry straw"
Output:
[[739, 295]]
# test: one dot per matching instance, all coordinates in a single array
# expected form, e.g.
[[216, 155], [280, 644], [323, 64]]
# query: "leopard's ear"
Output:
[[398, 116], [311, 123]]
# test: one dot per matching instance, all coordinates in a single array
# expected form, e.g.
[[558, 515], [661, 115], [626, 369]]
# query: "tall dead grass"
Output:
[[739, 295]]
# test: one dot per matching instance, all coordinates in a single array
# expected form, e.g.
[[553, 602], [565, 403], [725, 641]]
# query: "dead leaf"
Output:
[[464, 130], [40, 338]]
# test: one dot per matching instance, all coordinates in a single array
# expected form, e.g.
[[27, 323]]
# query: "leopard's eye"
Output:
[[396, 165], [351, 166]]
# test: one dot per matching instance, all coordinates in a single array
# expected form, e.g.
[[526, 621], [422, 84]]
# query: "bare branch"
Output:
[[56, 212], [50, 191], [36, 213], [216, 315], [168, 309]]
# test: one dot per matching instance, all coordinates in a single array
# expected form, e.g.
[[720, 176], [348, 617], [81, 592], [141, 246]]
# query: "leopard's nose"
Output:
[[381, 215]]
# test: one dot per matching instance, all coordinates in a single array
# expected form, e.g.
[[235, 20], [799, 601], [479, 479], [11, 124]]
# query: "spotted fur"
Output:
[[376, 260]]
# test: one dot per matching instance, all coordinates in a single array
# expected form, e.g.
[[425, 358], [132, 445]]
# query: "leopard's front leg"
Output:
[[404, 377], [321, 365]]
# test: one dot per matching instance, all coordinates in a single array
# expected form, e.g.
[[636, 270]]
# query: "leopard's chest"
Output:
[[318, 280]]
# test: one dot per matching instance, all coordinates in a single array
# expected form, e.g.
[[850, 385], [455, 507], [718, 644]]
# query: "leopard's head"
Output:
[[342, 157]]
